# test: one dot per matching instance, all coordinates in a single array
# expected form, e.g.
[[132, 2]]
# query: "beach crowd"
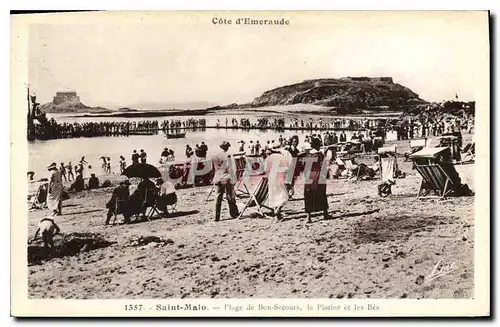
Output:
[[53, 130]]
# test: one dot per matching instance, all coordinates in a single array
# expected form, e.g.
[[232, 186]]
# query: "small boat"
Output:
[[176, 135]]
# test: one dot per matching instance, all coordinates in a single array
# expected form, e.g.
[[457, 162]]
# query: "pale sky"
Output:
[[121, 63]]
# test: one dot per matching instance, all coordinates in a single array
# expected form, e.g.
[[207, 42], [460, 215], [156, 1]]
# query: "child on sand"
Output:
[[48, 229]]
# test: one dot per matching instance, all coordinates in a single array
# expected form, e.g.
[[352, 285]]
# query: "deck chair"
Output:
[[204, 180], [167, 203], [352, 172], [438, 176], [453, 143], [469, 153], [152, 203], [388, 167], [179, 171], [39, 200], [149, 201], [118, 209], [258, 198], [416, 145], [357, 171], [171, 203], [210, 193], [240, 188]]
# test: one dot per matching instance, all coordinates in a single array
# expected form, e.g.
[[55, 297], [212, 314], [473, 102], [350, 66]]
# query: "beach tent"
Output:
[[388, 168]]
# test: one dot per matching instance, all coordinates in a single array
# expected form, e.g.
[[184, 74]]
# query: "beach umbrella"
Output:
[[142, 170]]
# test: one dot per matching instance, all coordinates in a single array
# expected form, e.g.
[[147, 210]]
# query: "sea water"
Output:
[[43, 153]]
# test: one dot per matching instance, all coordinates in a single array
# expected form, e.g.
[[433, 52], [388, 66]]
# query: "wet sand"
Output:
[[371, 247]]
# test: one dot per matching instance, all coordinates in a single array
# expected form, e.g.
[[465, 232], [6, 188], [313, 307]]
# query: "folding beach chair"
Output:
[[117, 209], [180, 172], [170, 202], [352, 172], [354, 147], [39, 200], [240, 188], [457, 136], [153, 205], [356, 171], [212, 189], [206, 179], [165, 204], [438, 176], [469, 153], [453, 143], [149, 201], [210, 193], [239, 165], [258, 197]]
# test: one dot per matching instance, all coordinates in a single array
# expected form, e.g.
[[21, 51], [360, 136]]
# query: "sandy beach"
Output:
[[201, 98], [372, 247]]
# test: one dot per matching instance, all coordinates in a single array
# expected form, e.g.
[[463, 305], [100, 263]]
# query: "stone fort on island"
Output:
[[69, 96]]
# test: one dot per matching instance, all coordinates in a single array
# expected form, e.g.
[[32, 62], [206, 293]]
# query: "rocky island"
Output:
[[69, 102], [347, 94]]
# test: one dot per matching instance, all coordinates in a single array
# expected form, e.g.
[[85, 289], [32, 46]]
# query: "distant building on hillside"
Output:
[[369, 79], [69, 96]]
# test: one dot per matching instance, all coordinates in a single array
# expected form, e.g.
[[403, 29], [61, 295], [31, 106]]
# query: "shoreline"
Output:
[[229, 112]]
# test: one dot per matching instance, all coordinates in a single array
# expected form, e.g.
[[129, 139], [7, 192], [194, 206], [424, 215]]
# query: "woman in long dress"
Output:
[[315, 199], [55, 191], [277, 165], [293, 150]]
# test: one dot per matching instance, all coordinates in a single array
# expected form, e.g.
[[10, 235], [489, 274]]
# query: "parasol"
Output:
[[142, 170]]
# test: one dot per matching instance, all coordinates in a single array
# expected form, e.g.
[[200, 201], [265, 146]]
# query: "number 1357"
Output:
[[133, 307]]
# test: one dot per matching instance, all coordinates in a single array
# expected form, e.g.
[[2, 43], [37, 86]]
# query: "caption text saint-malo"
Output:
[[249, 21]]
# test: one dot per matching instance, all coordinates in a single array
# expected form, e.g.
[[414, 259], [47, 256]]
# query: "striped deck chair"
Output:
[[258, 198], [438, 177], [469, 153], [240, 188], [453, 142], [212, 189], [39, 200], [434, 179]]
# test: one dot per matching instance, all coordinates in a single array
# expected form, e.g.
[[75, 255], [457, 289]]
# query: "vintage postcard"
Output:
[[257, 164]]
